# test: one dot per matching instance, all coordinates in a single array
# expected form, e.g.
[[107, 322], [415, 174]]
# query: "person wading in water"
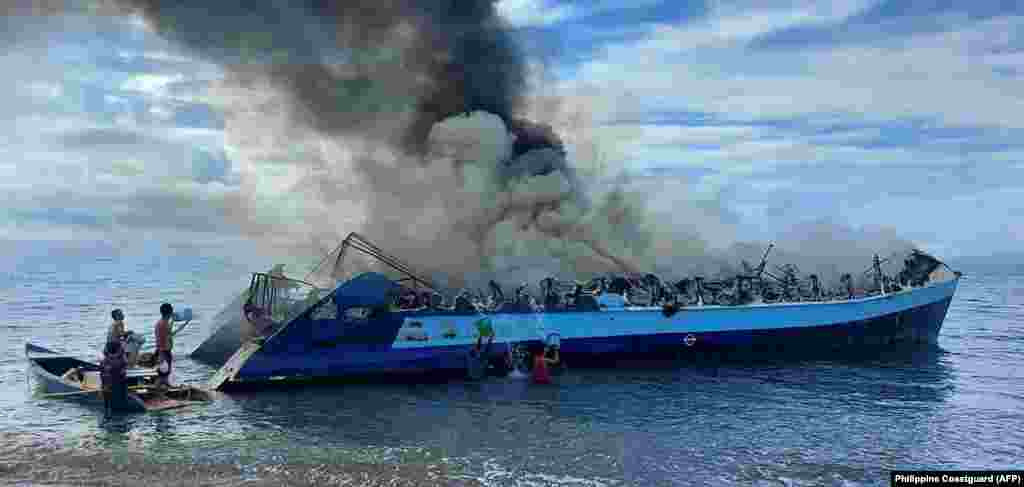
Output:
[[113, 372], [478, 357], [542, 363]]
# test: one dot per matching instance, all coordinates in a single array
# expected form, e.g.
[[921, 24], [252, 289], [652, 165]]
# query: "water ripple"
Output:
[[810, 423]]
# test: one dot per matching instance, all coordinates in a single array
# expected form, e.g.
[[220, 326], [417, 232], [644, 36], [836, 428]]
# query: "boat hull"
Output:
[[48, 367], [918, 325], [44, 371], [608, 336]]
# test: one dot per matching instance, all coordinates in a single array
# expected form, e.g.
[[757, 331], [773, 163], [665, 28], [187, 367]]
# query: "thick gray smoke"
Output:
[[370, 83], [408, 121], [826, 249]]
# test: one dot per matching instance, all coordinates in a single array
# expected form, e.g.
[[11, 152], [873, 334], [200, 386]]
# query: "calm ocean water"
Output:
[[807, 423]]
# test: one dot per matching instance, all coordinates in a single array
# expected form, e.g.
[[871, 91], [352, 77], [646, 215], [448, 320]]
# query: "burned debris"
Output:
[[755, 285], [752, 285]]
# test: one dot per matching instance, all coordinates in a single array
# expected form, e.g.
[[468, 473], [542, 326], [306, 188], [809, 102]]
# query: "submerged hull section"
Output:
[[351, 335]]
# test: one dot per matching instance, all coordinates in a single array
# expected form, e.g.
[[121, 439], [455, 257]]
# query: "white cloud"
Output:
[[161, 112], [660, 134], [522, 13], [960, 225], [742, 151], [538, 13], [157, 55], [19, 231], [43, 90], [151, 84], [1013, 60], [724, 28], [912, 77], [711, 66], [961, 77]]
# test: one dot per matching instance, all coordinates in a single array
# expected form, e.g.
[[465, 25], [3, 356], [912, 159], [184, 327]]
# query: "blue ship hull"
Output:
[[351, 333]]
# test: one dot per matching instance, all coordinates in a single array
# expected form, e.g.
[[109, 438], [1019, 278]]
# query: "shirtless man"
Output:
[[129, 341], [117, 331], [164, 345]]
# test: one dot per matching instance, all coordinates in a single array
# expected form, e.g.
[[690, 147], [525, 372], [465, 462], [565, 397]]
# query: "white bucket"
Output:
[[183, 315]]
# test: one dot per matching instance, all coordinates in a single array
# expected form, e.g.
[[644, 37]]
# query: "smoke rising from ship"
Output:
[[410, 122], [370, 83]]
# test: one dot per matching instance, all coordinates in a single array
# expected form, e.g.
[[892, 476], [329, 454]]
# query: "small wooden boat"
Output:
[[62, 376]]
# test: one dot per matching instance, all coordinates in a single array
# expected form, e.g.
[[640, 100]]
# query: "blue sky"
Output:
[[754, 116]]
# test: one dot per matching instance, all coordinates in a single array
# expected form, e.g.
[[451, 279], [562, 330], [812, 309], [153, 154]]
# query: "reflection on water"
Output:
[[813, 422]]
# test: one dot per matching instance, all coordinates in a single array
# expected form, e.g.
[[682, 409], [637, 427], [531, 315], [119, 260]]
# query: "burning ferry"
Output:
[[397, 322]]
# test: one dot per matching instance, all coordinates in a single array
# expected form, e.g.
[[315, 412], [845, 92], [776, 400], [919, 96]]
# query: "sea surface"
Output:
[[840, 422]]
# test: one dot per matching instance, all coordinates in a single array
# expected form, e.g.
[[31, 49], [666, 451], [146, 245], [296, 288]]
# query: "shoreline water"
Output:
[[51, 465], [820, 422]]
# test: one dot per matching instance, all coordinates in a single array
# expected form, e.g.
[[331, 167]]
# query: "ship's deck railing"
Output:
[[282, 298]]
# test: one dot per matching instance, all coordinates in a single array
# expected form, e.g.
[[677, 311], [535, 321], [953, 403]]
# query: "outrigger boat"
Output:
[[290, 330], [51, 371]]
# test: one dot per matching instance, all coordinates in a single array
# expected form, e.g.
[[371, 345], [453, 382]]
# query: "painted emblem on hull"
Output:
[[449, 330], [357, 313], [327, 311], [689, 340]]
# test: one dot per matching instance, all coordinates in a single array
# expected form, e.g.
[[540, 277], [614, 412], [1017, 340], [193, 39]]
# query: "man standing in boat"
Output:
[[117, 331], [164, 345], [130, 342]]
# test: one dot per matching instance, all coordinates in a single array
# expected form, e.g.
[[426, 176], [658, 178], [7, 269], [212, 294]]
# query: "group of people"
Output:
[[544, 358], [117, 358]]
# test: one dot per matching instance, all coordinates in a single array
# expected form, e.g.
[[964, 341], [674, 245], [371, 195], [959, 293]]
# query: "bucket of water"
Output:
[[183, 315]]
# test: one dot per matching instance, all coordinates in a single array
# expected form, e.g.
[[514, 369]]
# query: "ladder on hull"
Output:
[[230, 369]]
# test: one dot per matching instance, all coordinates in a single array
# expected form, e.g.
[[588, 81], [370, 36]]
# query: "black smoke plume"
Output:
[[360, 75], [388, 71], [341, 61]]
